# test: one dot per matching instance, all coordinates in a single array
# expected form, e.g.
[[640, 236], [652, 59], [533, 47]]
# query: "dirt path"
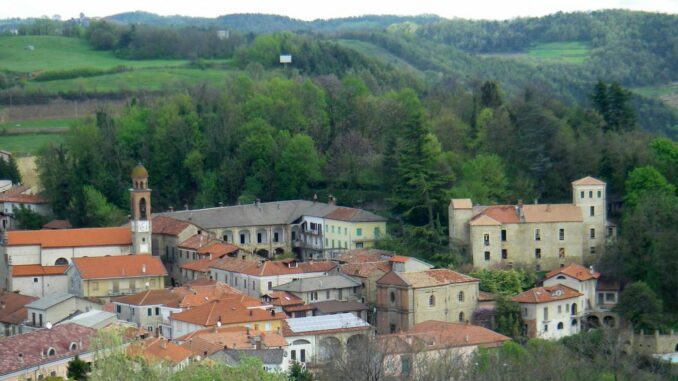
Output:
[[29, 173]]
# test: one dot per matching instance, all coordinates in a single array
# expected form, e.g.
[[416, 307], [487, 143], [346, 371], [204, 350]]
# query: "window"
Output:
[[560, 325], [592, 233], [332, 243], [270, 285], [314, 296], [293, 355], [503, 234], [592, 211], [537, 253], [524, 312], [561, 234], [157, 311], [610, 297], [51, 352], [392, 328], [600, 194], [590, 194], [546, 313], [592, 250], [359, 245], [35, 280], [432, 301], [327, 294], [561, 253], [242, 238], [359, 232], [259, 238], [253, 285], [345, 231], [149, 312], [487, 255], [302, 355], [581, 194], [460, 296], [560, 309], [393, 297], [404, 365], [95, 286], [486, 239], [504, 254], [461, 317], [377, 232], [537, 234], [118, 308]]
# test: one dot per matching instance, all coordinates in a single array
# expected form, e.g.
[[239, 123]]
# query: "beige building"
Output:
[[543, 236], [55, 308], [408, 298], [168, 233], [551, 312]]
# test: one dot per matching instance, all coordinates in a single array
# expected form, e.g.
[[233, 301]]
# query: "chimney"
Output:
[[315, 198], [186, 206], [591, 271], [171, 208], [143, 268], [331, 200], [466, 339], [2, 305], [247, 329], [257, 202], [163, 344]]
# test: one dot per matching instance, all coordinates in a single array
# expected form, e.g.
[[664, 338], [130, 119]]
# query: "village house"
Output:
[[542, 236], [406, 353], [256, 278], [44, 353], [285, 302], [106, 277], [56, 307], [95, 319], [167, 234], [407, 298], [317, 339], [551, 312], [334, 307], [39, 281], [320, 288], [13, 312], [19, 197], [159, 349], [200, 247]]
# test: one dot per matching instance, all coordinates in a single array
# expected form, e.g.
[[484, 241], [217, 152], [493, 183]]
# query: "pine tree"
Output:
[[78, 369]]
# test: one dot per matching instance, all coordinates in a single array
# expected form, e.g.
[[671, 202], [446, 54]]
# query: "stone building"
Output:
[[551, 312], [543, 236]]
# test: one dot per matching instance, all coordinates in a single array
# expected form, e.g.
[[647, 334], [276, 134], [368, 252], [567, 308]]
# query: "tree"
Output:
[[9, 170], [28, 219], [483, 180], [299, 167], [642, 181], [509, 320], [299, 373], [489, 95], [640, 305], [97, 211], [508, 282], [78, 369]]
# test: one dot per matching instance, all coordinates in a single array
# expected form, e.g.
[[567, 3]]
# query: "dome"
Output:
[[139, 172]]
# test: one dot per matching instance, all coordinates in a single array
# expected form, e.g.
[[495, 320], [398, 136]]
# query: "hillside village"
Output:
[[206, 284]]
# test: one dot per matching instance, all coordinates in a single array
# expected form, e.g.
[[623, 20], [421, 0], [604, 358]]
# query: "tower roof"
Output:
[[139, 172]]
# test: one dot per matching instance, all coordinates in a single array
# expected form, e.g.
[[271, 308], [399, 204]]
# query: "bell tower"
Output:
[[140, 200]]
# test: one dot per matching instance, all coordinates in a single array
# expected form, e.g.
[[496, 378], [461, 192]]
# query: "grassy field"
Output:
[[27, 144], [570, 52], [58, 53], [667, 93], [39, 123], [373, 50]]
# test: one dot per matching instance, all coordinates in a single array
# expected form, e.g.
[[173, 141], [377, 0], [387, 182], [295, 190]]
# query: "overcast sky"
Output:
[[313, 9]]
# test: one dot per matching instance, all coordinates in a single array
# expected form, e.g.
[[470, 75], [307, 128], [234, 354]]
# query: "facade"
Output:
[[323, 288], [200, 248], [256, 278], [544, 236], [13, 312], [159, 349], [167, 234], [551, 312], [39, 281], [408, 298], [334, 307], [56, 307], [106, 277], [17, 197]]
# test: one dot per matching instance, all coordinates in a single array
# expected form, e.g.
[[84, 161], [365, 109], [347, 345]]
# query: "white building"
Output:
[[551, 312]]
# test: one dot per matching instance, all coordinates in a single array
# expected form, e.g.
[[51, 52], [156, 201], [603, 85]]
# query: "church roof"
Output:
[[139, 172], [588, 180]]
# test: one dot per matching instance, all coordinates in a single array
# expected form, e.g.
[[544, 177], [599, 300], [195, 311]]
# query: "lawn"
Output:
[[58, 53], [667, 93], [27, 144], [566, 52], [39, 123]]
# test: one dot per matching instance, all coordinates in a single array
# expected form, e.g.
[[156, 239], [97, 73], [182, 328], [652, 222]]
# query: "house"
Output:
[[333, 307], [282, 301], [256, 278], [403, 352], [229, 311], [198, 269], [201, 247], [159, 349], [39, 281], [56, 307], [96, 319], [327, 287], [310, 229], [20, 197], [167, 233], [151, 309], [551, 312], [13, 312], [407, 298], [106, 277], [542, 236], [316, 339], [44, 353]]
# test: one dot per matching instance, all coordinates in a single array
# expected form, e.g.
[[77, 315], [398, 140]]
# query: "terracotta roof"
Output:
[[505, 214], [195, 241], [283, 298], [117, 236], [552, 213], [122, 266], [298, 308], [187, 296], [364, 255], [19, 189], [461, 203], [37, 270], [160, 349], [575, 271], [547, 294], [168, 225], [199, 265], [588, 180], [32, 347], [204, 342], [231, 310], [12, 307], [218, 248], [58, 224], [363, 270], [269, 268], [433, 334], [428, 278], [23, 198], [353, 215], [483, 220], [399, 259], [486, 296]]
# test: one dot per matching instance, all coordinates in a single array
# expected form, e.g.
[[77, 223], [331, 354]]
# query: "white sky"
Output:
[[310, 9]]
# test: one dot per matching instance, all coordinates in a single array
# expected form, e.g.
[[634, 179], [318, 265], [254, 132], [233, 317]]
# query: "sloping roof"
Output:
[[269, 268], [364, 255], [552, 213], [323, 324], [266, 213], [325, 282], [199, 265], [37, 270], [588, 180], [399, 259], [122, 266], [209, 340], [116, 236], [231, 310], [160, 349], [50, 300], [57, 224], [188, 296], [363, 270], [93, 319], [353, 215], [195, 241], [546, 294], [433, 334], [218, 248], [13, 307], [31, 347], [483, 220], [168, 226], [461, 203], [428, 278], [283, 298], [608, 284], [575, 271], [337, 306], [486, 296], [23, 199]]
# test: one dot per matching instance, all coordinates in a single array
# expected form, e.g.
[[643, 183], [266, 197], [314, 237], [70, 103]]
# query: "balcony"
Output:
[[122, 291]]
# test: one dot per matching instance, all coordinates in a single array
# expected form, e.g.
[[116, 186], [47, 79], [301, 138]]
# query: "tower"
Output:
[[589, 195], [140, 199]]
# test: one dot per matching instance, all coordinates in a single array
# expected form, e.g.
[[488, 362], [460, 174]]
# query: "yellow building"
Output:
[[106, 277]]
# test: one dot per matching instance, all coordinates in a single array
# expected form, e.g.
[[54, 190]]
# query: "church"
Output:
[[35, 262]]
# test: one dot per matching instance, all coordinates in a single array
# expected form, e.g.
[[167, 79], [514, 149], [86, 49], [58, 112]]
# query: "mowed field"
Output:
[[667, 93], [27, 144], [568, 52]]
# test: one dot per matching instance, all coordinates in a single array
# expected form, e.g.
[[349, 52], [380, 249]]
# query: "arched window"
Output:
[[142, 208], [61, 262], [461, 317], [560, 277], [392, 297], [73, 346], [432, 300], [461, 296], [560, 325], [51, 352]]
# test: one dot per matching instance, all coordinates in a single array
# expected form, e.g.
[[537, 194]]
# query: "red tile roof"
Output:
[[272, 268], [123, 266], [218, 248], [188, 296], [364, 255], [23, 198], [117, 236], [588, 180], [199, 265], [508, 214], [195, 241], [283, 299], [58, 224], [399, 259], [232, 310], [363, 270], [547, 294], [160, 349], [426, 278], [486, 296], [436, 335], [37, 270], [168, 225], [30, 349], [207, 341], [12, 307], [575, 271]]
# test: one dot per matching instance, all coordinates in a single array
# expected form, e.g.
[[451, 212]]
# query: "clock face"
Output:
[[143, 226]]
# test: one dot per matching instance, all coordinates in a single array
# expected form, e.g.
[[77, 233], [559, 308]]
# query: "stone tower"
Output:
[[589, 195], [140, 199]]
